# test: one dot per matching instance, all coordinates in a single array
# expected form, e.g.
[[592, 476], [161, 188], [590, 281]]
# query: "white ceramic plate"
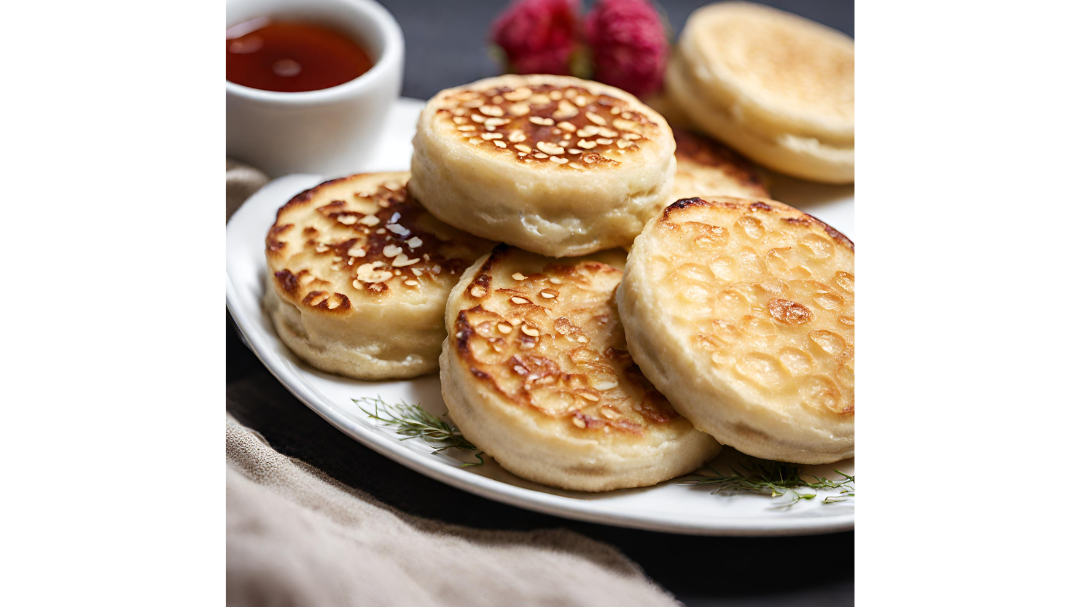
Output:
[[668, 506]]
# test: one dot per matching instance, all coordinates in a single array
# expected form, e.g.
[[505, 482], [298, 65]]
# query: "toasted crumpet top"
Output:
[[364, 240], [780, 68], [707, 168], [762, 294], [546, 335], [548, 121]]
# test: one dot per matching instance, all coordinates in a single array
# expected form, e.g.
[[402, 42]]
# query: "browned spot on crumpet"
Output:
[[657, 408], [789, 312], [464, 331], [682, 204], [333, 302], [686, 203], [272, 243], [287, 280]]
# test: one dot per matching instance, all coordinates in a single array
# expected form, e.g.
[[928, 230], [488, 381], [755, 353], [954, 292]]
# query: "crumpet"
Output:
[[359, 274], [776, 87], [743, 314], [708, 168], [535, 372], [551, 164]]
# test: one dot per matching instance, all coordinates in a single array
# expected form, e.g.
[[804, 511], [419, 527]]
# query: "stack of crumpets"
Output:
[[500, 260]]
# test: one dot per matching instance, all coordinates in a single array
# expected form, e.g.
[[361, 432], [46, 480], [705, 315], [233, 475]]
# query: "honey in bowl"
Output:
[[291, 56]]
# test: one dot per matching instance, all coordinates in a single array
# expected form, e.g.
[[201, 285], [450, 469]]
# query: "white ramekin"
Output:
[[331, 131]]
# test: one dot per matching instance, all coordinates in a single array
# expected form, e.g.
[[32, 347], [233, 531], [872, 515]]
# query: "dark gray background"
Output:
[[446, 45]]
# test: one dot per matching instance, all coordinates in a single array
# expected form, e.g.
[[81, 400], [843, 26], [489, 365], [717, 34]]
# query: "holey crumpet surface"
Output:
[[536, 373], [551, 164], [743, 314], [359, 274]]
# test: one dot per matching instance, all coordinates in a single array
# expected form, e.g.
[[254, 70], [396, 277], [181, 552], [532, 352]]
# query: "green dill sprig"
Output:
[[774, 479], [412, 421]]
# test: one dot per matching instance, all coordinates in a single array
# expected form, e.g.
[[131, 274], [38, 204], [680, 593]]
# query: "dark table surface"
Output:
[[446, 46]]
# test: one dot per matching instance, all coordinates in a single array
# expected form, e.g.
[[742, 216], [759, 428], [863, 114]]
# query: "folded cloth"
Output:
[[241, 181], [295, 536]]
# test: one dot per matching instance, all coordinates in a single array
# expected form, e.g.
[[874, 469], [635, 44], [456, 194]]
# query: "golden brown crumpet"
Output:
[[707, 168], [743, 314], [536, 373], [359, 274], [776, 87], [552, 164]]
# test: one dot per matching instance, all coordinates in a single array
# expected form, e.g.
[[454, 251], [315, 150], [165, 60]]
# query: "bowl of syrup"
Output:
[[309, 83], [291, 56]]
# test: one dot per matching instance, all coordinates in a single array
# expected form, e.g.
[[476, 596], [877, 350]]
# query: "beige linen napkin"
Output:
[[241, 181], [295, 536]]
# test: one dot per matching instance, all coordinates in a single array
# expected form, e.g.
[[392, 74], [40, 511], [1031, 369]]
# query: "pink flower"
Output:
[[629, 45], [538, 36]]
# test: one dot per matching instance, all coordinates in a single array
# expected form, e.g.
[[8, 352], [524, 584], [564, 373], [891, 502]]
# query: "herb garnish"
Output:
[[412, 421], [752, 475], [774, 479]]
